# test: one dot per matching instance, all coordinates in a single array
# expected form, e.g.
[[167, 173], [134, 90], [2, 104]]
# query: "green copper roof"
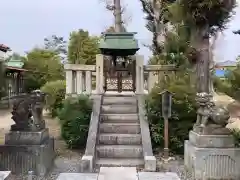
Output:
[[17, 63], [119, 43]]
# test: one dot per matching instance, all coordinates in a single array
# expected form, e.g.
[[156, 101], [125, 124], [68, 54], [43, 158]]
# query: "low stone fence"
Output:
[[6, 102]]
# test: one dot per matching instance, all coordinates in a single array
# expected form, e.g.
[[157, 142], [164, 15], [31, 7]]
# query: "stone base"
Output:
[[211, 141], [19, 159], [150, 163], [86, 164], [212, 163], [29, 138]]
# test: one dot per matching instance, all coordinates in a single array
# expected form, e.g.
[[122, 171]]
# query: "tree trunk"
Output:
[[160, 29], [203, 72], [118, 16], [212, 63]]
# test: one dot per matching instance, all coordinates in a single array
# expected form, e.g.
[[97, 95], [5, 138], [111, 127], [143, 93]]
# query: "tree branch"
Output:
[[147, 8]]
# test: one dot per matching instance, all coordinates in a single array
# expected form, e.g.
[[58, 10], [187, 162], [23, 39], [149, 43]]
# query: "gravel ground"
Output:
[[176, 165], [61, 165]]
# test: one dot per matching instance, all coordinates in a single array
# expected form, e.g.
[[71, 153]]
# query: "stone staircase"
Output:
[[119, 141]]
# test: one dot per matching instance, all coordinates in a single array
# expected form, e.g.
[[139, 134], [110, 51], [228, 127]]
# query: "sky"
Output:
[[25, 23]]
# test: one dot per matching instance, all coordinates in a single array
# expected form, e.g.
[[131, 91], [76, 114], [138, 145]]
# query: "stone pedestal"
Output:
[[212, 157], [29, 138], [27, 151]]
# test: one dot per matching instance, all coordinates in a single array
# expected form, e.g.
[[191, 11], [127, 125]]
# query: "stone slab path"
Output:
[[119, 173], [4, 174], [78, 176], [157, 176]]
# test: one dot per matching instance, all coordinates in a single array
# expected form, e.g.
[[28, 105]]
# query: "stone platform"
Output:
[[212, 157], [27, 151], [119, 173]]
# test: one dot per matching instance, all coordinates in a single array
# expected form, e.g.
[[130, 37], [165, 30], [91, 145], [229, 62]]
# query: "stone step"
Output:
[[120, 139], [120, 118], [120, 128], [119, 151], [123, 94], [119, 109], [120, 162], [119, 100]]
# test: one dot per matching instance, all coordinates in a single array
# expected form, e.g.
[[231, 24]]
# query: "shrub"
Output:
[[183, 113], [55, 91], [233, 78], [74, 119], [230, 85], [236, 136], [222, 85]]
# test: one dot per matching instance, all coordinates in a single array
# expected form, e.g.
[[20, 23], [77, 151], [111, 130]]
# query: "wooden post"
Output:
[[166, 113], [166, 139]]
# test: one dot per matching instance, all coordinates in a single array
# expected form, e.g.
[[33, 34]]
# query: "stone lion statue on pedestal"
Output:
[[211, 119], [27, 112]]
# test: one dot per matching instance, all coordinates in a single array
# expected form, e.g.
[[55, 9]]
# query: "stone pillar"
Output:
[[18, 76], [84, 82], [69, 81], [139, 74], [79, 82], [88, 82], [99, 74], [74, 86]]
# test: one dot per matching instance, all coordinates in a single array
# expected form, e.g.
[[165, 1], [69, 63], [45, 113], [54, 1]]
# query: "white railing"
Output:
[[79, 78], [89, 79]]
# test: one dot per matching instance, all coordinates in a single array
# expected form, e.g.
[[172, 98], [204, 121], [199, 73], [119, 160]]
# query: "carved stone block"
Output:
[[20, 159], [26, 138], [211, 141], [212, 157]]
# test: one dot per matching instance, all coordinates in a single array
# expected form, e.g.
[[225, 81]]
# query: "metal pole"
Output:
[[166, 150]]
